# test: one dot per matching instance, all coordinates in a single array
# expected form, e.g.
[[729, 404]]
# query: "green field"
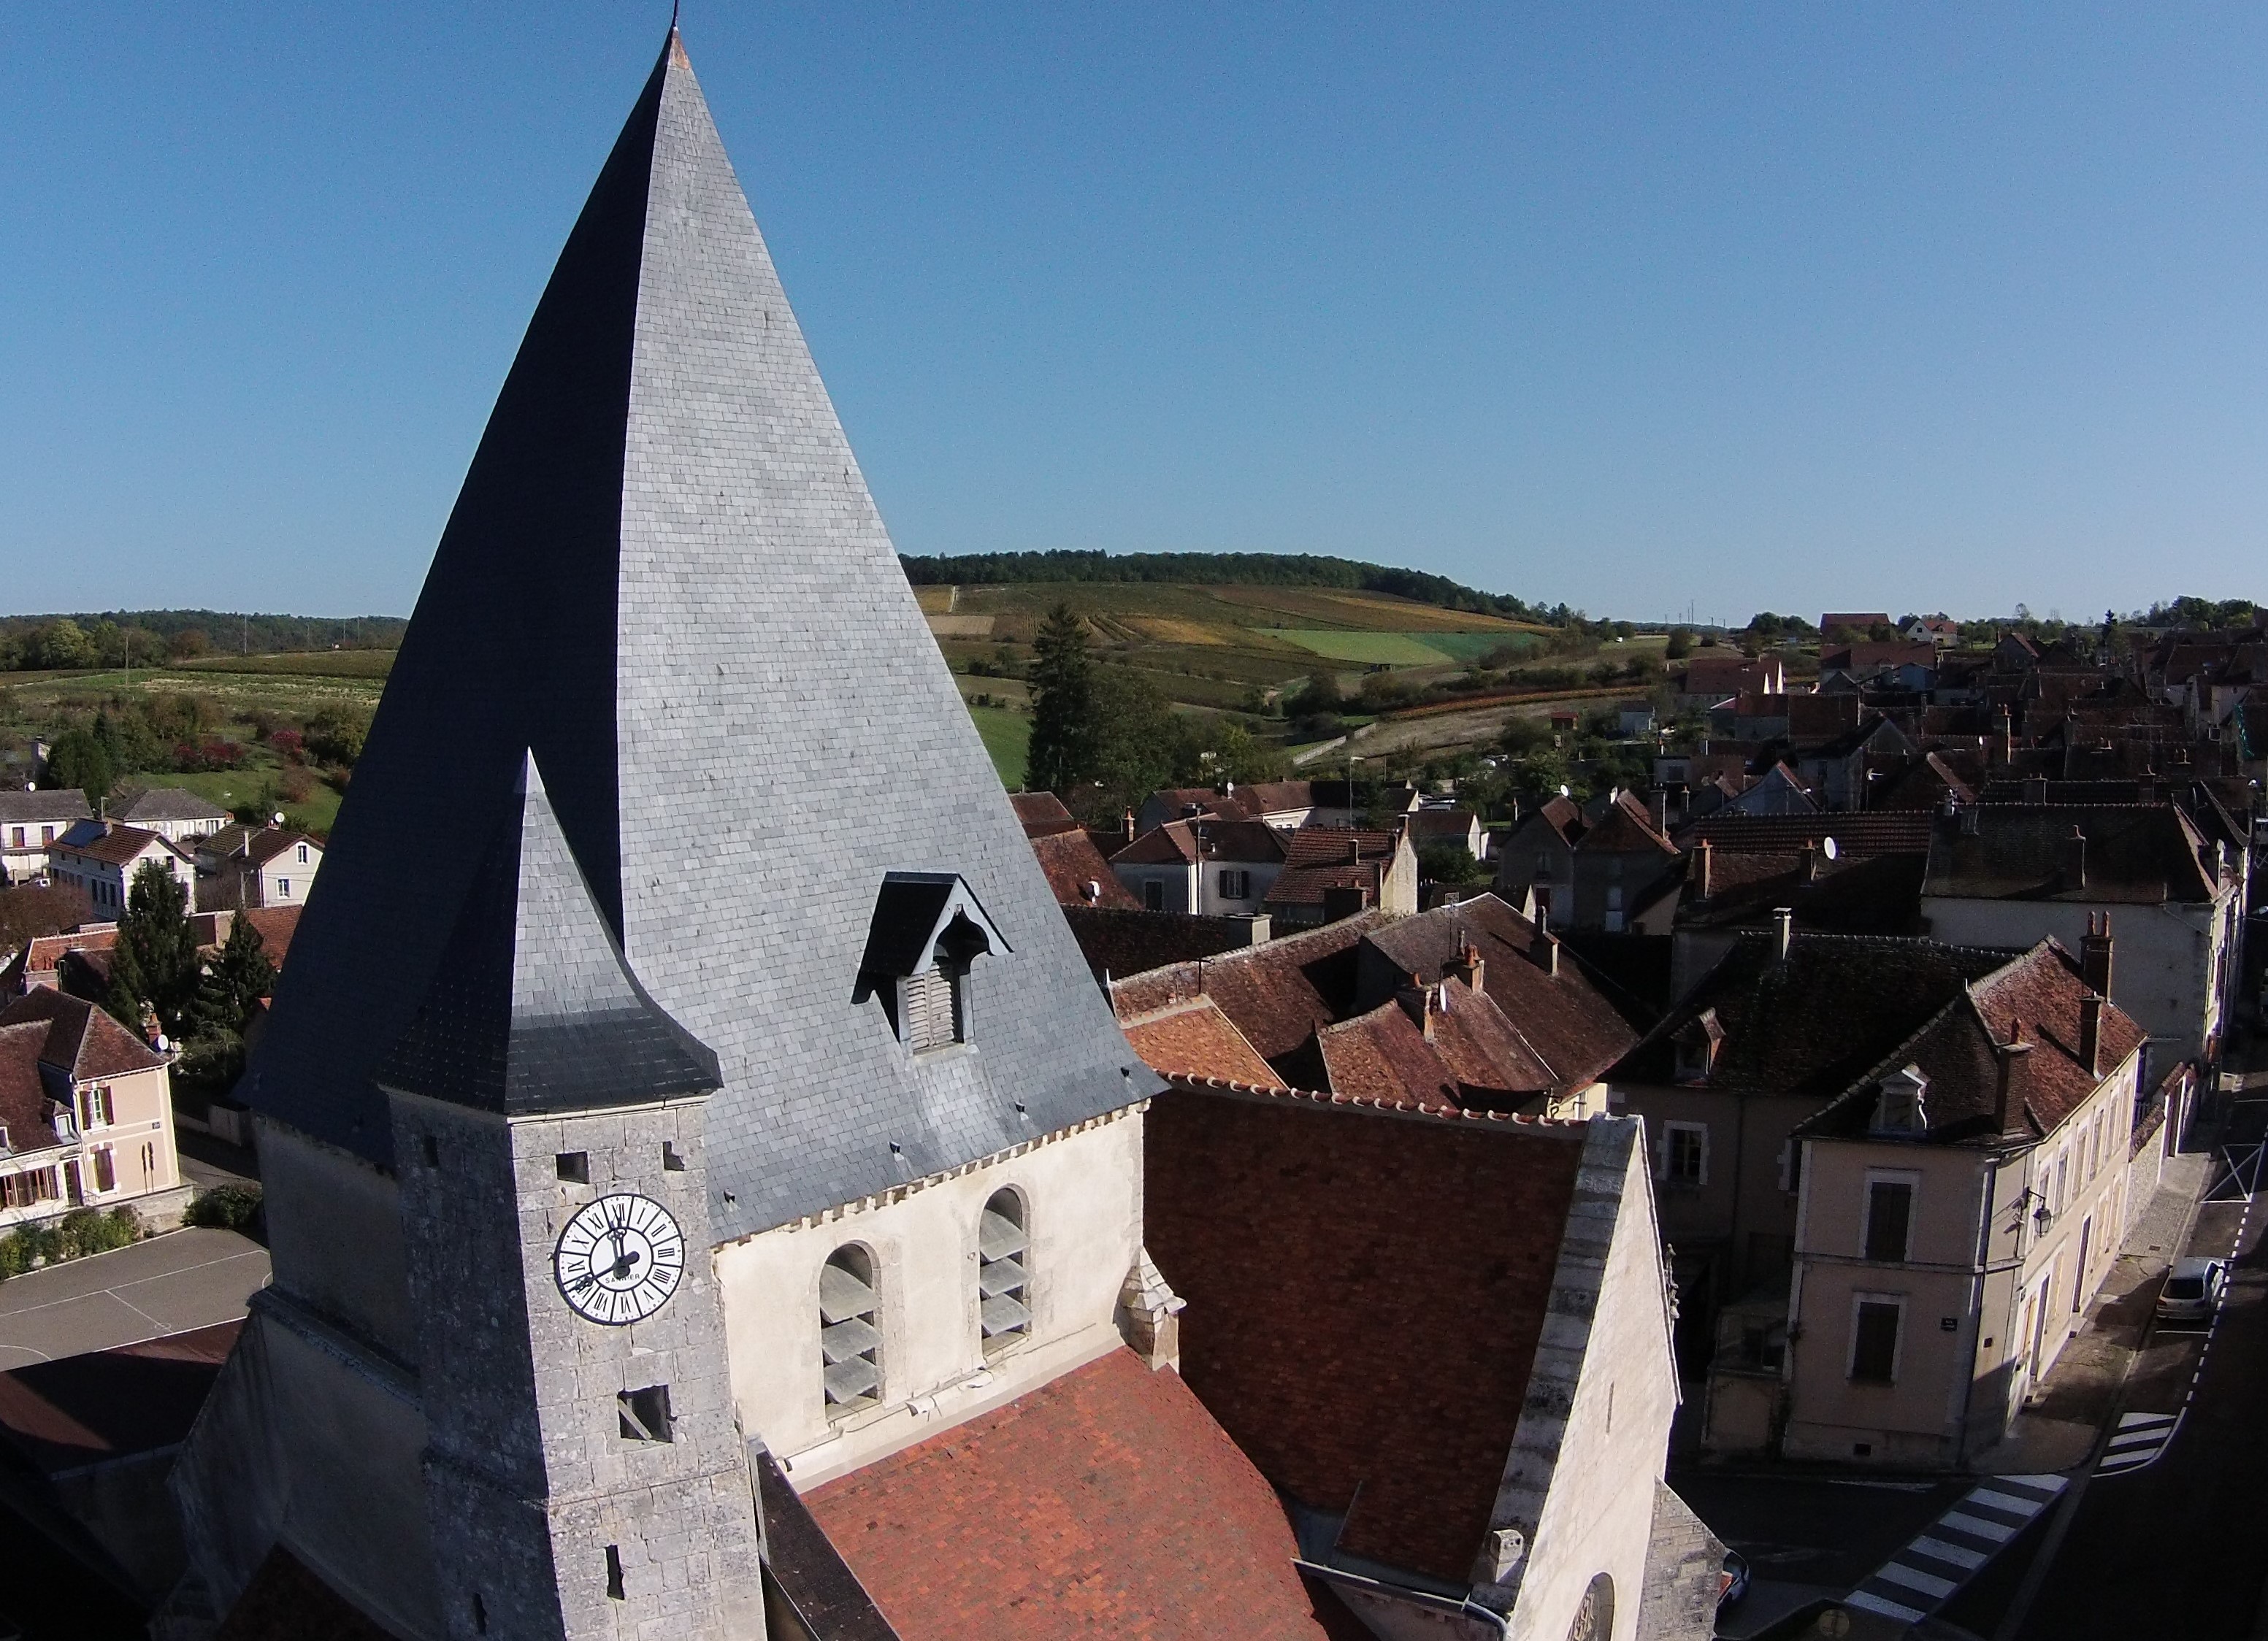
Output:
[[1008, 736], [240, 789], [309, 663], [1369, 649]]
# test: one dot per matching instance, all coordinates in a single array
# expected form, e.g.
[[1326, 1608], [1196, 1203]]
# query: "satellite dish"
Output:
[[279, 817], [1827, 848], [1564, 793], [163, 1042]]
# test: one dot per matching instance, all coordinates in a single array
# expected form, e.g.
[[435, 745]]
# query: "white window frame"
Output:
[[1896, 1301], [1665, 1148], [1910, 1178]]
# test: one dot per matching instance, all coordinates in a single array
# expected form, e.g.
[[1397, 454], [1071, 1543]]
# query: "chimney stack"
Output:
[[1701, 854], [1545, 951], [2036, 789], [2008, 1110], [1808, 870], [1127, 827], [2074, 860], [1659, 804], [2094, 954], [2090, 1033], [1782, 931], [1469, 966], [2007, 739]]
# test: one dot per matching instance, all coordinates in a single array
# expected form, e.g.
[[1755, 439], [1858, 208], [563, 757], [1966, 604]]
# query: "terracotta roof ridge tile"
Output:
[[1451, 1114]]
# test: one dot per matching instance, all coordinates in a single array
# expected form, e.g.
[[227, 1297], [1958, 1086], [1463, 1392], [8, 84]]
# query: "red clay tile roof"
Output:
[[2036, 998], [1867, 833], [1194, 1038], [276, 925], [42, 954], [1332, 845], [1449, 825], [1266, 1214], [1440, 1044], [1042, 814], [110, 1403], [1625, 827], [120, 845], [1072, 862], [1117, 943], [1304, 886], [1563, 1020], [2145, 854], [1807, 1024], [81, 1040], [1279, 994], [1204, 839], [286, 1602], [1107, 1501], [23, 1094], [267, 843]]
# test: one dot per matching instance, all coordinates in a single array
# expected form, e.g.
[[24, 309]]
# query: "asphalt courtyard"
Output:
[[168, 1285]]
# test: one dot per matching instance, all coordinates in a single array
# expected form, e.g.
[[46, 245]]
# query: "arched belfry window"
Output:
[[1004, 1272], [927, 932], [849, 1331]]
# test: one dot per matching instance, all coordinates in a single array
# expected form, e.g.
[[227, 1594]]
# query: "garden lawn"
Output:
[[1008, 738]]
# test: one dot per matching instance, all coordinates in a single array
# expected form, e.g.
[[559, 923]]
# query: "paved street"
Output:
[[2172, 1546], [168, 1284]]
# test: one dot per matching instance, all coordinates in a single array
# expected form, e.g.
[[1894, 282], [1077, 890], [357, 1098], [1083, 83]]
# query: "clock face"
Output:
[[619, 1259]]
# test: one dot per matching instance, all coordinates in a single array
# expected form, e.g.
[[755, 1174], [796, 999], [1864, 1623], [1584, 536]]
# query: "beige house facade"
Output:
[[1959, 1209], [86, 1116]]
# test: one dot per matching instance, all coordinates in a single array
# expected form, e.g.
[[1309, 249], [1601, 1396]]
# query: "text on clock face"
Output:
[[619, 1259]]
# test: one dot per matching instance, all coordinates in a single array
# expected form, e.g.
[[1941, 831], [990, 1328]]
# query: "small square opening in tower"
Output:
[[575, 1166], [645, 1413], [672, 1160], [615, 1573], [432, 1148]]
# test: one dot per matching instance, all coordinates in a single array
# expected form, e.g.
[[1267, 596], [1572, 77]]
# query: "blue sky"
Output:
[[1639, 308]]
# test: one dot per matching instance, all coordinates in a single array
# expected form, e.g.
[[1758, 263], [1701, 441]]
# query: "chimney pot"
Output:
[[2008, 1110], [1702, 854], [2074, 860], [2090, 1034], [2094, 953], [1782, 931]]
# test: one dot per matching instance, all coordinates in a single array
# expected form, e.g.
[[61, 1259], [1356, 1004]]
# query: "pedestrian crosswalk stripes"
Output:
[[1925, 1574], [2138, 1441]]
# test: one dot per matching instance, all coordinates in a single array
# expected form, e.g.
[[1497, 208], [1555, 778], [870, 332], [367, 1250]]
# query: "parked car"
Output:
[[1733, 1582], [2193, 1288]]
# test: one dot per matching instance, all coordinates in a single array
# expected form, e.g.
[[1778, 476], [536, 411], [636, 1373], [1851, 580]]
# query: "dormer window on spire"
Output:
[[927, 932]]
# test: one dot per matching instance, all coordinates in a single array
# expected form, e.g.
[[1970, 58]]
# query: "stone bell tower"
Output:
[[584, 1472]]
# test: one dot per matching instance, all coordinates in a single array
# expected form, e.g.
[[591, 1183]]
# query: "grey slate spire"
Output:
[[533, 1008], [664, 576]]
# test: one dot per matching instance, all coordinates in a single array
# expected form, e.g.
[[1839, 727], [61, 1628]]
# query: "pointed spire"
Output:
[[665, 578], [533, 1008]]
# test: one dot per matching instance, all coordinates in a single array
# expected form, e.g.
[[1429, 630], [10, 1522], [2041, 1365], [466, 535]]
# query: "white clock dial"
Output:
[[619, 1259]]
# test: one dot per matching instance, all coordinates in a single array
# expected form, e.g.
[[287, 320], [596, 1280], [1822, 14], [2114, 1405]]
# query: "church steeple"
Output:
[[665, 578]]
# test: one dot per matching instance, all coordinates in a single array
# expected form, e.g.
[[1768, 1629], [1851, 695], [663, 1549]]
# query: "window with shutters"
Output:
[[1874, 1322], [850, 1331], [106, 1171], [933, 1012], [1889, 1217], [1003, 1272], [1235, 884]]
